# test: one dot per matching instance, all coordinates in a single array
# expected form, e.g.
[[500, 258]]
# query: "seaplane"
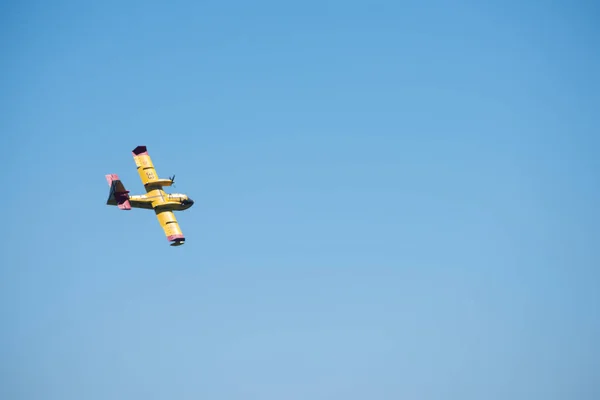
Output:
[[162, 203]]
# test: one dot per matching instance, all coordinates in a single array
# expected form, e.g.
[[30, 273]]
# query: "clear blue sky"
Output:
[[394, 200]]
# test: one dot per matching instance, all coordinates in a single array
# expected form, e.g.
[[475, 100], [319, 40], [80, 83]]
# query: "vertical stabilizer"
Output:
[[117, 196]]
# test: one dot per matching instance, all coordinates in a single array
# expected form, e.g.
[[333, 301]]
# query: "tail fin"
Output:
[[117, 196]]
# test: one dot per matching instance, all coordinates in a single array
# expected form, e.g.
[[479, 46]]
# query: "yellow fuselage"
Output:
[[158, 198]]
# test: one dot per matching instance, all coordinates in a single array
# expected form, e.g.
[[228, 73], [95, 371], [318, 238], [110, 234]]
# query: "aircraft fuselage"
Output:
[[158, 198]]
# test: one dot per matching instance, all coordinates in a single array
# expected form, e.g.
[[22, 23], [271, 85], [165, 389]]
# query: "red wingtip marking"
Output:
[[140, 150], [175, 237]]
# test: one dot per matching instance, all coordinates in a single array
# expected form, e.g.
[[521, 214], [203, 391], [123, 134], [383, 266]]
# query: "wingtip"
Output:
[[177, 240], [140, 150]]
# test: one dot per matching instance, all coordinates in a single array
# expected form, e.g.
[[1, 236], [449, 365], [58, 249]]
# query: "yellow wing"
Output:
[[144, 165], [171, 227], [146, 169]]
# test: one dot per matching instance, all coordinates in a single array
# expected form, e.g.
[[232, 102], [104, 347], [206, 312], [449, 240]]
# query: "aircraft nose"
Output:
[[188, 202]]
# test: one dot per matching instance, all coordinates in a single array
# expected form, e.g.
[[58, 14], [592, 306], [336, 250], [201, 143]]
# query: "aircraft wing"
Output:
[[170, 226], [144, 165]]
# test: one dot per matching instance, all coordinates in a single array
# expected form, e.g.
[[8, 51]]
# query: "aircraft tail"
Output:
[[117, 196]]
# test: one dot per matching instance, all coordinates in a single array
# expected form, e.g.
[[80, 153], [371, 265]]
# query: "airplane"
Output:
[[163, 203]]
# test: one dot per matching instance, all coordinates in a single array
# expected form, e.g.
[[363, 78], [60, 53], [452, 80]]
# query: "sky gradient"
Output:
[[393, 200]]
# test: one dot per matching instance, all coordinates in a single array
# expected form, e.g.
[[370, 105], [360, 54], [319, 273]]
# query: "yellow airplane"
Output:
[[163, 203]]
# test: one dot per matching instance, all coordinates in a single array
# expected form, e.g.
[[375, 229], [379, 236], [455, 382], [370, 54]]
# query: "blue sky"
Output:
[[393, 200]]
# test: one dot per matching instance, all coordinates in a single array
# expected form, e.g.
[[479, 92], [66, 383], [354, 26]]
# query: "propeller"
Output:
[[172, 178]]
